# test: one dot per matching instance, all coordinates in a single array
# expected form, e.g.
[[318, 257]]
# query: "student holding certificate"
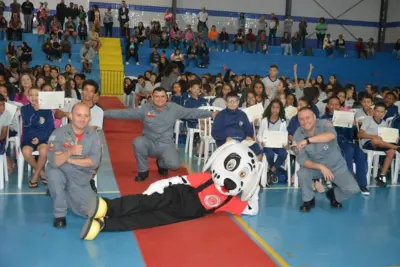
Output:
[[274, 119], [372, 141], [350, 150]]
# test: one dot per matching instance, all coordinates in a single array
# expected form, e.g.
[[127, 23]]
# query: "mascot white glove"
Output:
[[159, 186]]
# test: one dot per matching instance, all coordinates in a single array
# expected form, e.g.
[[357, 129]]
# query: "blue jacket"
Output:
[[392, 111], [39, 124], [293, 125], [315, 109], [180, 100], [344, 135], [231, 123], [396, 123], [193, 103]]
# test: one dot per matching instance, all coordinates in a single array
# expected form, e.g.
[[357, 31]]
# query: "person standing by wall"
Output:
[[27, 9], [320, 30], [123, 17]]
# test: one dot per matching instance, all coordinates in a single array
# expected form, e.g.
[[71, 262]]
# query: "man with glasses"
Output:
[[233, 124]]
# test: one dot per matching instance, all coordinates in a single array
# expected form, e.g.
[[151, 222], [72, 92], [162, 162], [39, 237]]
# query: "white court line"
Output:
[[295, 188], [44, 193]]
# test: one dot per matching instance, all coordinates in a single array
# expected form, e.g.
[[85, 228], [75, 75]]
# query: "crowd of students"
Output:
[[278, 94]]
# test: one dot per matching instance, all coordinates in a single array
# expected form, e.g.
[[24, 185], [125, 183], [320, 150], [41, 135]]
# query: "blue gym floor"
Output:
[[364, 233]]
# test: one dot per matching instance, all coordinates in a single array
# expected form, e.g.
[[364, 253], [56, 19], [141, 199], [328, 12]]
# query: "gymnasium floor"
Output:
[[364, 233]]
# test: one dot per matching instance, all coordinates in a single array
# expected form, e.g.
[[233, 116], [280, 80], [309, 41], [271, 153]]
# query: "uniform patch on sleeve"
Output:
[[51, 146], [329, 124], [52, 138]]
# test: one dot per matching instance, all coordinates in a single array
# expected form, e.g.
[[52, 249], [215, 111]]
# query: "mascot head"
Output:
[[235, 170]]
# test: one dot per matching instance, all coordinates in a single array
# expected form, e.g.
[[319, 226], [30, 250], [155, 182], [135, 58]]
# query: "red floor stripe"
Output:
[[215, 240]]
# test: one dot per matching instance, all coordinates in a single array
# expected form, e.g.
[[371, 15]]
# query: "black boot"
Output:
[[93, 186], [307, 205], [161, 171], [142, 176], [60, 222], [330, 194]]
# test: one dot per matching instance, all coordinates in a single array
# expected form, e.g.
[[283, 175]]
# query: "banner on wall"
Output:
[[52, 3]]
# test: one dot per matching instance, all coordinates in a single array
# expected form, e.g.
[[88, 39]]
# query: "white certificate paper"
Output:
[[343, 119], [290, 112], [51, 100], [69, 103], [389, 135], [254, 112], [275, 139]]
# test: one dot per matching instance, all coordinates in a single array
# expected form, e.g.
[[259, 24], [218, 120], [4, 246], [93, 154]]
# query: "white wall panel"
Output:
[[393, 11], [366, 11], [250, 6], [392, 34]]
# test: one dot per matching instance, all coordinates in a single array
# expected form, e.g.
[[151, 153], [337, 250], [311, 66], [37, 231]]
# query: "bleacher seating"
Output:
[[382, 71], [39, 57]]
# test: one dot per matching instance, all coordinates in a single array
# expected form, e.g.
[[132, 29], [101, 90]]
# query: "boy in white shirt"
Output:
[[271, 81], [371, 141]]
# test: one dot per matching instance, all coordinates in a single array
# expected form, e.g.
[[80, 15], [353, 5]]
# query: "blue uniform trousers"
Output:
[[281, 156], [352, 152]]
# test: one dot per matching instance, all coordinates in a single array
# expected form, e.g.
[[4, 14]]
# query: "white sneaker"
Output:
[[137, 63], [69, 60], [223, 50], [218, 50], [127, 63], [226, 50]]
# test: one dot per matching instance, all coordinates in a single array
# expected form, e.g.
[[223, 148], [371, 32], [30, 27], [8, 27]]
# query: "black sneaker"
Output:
[[364, 190], [142, 176], [307, 205], [381, 181], [330, 194], [93, 186], [161, 171]]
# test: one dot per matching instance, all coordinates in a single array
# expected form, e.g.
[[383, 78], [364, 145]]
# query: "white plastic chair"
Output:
[[177, 131], [209, 98], [207, 141]]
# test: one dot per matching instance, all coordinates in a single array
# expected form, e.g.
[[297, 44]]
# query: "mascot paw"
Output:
[[248, 142], [97, 208], [92, 228]]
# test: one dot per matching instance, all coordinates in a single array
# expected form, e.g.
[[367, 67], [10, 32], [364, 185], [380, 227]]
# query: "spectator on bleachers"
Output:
[[262, 44], [242, 22], [155, 59], [123, 17], [74, 12], [366, 110], [64, 85], [239, 40], [41, 30], [260, 93], [97, 19], [178, 59], [286, 44], [14, 31], [162, 66], [273, 27], [370, 48], [194, 101], [262, 24], [249, 99], [287, 25], [108, 22], [251, 41], [26, 84], [203, 57], [54, 72], [341, 45], [27, 9], [164, 39], [176, 36], [212, 38], [14, 75], [396, 49], [202, 18], [3, 27], [26, 53], [140, 91], [169, 19], [61, 13], [82, 31], [179, 97], [192, 53], [11, 52], [303, 31], [40, 81], [55, 49], [25, 68], [90, 89], [350, 97], [296, 44], [56, 27], [82, 13], [43, 12], [328, 45], [74, 88], [70, 29], [141, 33], [360, 48], [273, 120], [391, 109], [79, 79], [155, 34], [37, 127], [94, 38], [320, 30], [129, 87], [15, 7], [271, 81], [188, 37], [224, 40], [371, 141], [131, 50], [87, 54], [10, 88]]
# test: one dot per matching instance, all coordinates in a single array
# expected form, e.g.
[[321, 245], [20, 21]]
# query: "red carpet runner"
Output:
[[215, 240]]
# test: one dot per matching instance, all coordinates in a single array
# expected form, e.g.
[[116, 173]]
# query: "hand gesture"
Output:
[[300, 145], [35, 141], [69, 115], [77, 149], [295, 67], [328, 175], [311, 67]]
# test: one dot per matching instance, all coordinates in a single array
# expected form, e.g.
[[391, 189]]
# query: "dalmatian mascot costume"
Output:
[[232, 185]]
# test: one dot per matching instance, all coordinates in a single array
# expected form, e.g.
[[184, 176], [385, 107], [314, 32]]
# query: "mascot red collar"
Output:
[[231, 185]]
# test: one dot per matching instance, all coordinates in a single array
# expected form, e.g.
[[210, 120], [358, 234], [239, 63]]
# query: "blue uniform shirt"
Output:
[[39, 124], [391, 111], [231, 123], [180, 100], [194, 103], [293, 125], [315, 109], [344, 135]]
